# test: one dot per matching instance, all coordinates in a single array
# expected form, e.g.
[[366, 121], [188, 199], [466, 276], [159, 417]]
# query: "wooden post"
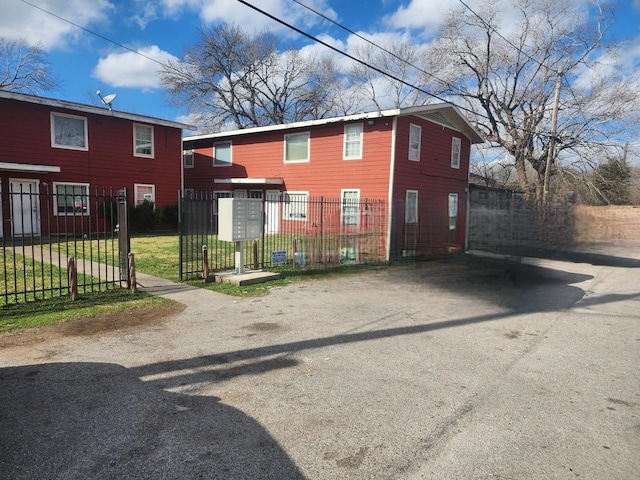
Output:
[[132, 273], [255, 255], [73, 278], [205, 263]]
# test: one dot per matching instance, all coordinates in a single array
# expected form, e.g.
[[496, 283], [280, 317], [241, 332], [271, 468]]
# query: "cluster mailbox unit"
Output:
[[239, 219]]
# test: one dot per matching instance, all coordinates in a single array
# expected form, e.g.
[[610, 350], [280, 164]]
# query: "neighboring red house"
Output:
[[70, 150], [415, 159]]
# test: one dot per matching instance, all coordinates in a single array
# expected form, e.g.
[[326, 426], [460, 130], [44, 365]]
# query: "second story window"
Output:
[[415, 132], [187, 158], [222, 154], [352, 142], [296, 147], [143, 141], [455, 152], [69, 131]]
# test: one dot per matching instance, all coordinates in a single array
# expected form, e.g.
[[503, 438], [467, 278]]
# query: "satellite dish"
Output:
[[107, 99]]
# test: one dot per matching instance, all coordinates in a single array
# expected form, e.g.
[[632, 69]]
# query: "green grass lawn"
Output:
[[57, 310]]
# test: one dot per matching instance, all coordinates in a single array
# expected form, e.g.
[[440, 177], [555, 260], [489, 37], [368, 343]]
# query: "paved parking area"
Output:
[[425, 371]]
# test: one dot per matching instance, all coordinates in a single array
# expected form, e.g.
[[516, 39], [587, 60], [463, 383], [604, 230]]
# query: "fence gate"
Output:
[[43, 227]]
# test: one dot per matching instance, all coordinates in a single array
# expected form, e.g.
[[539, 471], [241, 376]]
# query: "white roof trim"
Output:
[[460, 124], [80, 107], [267, 181], [29, 167]]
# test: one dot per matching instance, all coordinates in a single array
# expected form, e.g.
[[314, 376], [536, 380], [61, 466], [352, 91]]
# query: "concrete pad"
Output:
[[247, 278]]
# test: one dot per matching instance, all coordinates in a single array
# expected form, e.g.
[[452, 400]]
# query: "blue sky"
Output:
[[161, 29]]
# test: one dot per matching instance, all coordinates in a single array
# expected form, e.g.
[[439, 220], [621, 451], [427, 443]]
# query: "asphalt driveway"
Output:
[[441, 371]]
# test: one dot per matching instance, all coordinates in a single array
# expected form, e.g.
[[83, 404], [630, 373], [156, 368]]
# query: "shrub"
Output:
[[144, 217]]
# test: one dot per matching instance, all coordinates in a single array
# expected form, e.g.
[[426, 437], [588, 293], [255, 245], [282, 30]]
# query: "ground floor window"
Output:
[[350, 207], [411, 207], [71, 198], [295, 205], [453, 211], [144, 193]]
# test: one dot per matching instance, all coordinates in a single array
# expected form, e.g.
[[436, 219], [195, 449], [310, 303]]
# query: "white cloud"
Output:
[[132, 70], [425, 15], [216, 11], [22, 21]]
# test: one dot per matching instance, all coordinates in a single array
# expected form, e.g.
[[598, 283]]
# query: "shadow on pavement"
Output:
[[98, 420]]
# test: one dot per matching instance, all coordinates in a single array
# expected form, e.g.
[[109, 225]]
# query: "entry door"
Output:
[[273, 210], [25, 207]]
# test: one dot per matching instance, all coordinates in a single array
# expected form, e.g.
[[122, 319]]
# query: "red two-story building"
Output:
[[415, 159], [70, 150]]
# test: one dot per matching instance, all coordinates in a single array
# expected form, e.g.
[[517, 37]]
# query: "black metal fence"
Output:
[[297, 230], [43, 227]]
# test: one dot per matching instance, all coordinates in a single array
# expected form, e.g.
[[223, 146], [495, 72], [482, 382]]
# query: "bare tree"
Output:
[[232, 79], [24, 68], [507, 74], [392, 90]]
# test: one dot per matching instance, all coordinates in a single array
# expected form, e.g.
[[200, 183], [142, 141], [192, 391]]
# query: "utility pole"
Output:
[[552, 140]]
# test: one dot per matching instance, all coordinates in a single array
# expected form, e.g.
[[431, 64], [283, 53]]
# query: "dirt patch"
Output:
[[97, 325]]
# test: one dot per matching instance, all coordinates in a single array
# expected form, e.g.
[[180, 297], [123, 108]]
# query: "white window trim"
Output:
[[70, 214], [406, 204], [344, 143], [135, 193], [452, 208], [213, 154], [186, 154], [342, 216], [410, 154], [153, 148], [286, 207], [284, 144], [69, 147], [455, 152]]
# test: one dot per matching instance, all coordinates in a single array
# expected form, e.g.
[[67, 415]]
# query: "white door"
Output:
[[273, 210], [25, 207]]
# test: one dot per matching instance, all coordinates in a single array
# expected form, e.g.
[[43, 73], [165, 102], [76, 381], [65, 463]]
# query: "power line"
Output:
[[495, 30], [397, 57], [351, 57]]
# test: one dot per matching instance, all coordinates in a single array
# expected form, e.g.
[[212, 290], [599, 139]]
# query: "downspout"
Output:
[[392, 168]]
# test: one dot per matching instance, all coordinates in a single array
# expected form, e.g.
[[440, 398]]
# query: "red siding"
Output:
[[262, 155], [434, 179], [25, 137]]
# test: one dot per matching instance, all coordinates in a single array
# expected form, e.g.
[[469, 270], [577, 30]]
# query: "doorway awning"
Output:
[[28, 167], [251, 180]]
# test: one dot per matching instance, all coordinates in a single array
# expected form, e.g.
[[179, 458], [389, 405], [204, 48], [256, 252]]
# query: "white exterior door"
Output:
[[25, 207], [273, 211]]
